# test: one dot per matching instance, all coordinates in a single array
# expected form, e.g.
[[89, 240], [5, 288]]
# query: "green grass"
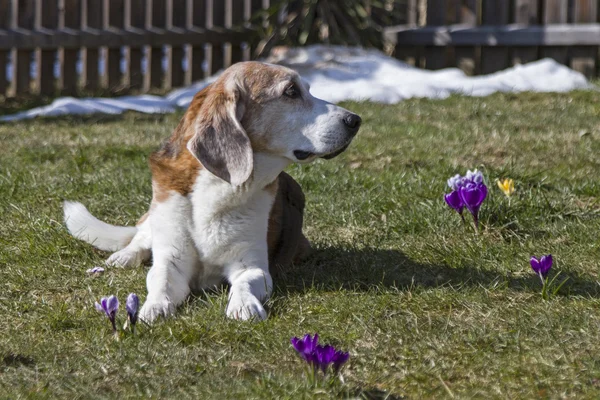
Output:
[[426, 307]]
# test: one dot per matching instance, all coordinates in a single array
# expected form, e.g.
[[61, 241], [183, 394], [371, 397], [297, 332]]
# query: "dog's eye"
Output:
[[292, 92]]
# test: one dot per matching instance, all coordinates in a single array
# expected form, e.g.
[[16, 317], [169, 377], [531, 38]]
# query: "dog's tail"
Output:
[[86, 227]]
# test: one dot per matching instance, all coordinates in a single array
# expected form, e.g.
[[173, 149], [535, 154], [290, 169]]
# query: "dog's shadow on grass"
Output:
[[364, 269]]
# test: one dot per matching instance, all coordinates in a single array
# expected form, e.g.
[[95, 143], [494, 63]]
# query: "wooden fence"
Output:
[[484, 36], [54, 47]]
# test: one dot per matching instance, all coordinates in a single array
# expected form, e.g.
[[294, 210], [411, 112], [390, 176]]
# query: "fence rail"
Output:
[[72, 47], [486, 36], [54, 47]]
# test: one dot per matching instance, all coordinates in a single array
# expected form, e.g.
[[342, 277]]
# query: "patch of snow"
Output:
[[338, 73]]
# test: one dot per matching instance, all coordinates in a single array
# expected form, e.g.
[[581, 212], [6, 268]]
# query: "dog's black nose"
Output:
[[352, 121]]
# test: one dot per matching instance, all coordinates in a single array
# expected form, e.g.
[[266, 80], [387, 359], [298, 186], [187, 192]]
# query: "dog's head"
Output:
[[258, 107]]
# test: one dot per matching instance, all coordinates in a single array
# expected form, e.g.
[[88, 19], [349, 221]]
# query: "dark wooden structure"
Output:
[[53, 47], [484, 36]]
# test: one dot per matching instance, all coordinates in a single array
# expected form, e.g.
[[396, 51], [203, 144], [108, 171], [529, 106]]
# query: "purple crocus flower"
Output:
[[132, 305], [319, 356], [472, 195], [324, 356], [306, 346], [109, 305], [474, 176], [455, 182], [454, 201], [542, 265], [339, 359]]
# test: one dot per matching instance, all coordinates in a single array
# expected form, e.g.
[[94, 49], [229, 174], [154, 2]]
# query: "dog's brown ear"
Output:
[[220, 142]]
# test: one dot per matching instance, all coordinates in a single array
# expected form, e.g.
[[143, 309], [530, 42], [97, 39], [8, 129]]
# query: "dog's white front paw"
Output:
[[245, 307], [154, 308], [125, 258]]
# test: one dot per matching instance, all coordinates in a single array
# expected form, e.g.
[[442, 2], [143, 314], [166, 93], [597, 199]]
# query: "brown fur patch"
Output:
[[173, 167]]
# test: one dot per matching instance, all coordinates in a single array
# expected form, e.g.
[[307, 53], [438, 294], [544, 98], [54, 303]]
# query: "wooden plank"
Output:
[[247, 46], [524, 54], [5, 10], [407, 54], [115, 11], [584, 58], [525, 12], [75, 39], [22, 72], [136, 20], [236, 14], [411, 55], [198, 20], [555, 12], [178, 52], [411, 12], [49, 20], [157, 74], [69, 18], [585, 11], [436, 57], [436, 12], [494, 58], [466, 57], [12, 55], [218, 20], [506, 35], [94, 20]]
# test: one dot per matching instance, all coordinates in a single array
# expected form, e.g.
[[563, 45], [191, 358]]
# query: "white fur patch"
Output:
[[84, 226]]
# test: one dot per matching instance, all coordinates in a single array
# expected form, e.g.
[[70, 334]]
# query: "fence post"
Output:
[[555, 12], [137, 10], [583, 58], [494, 12], [246, 50], [114, 18], [435, 56], [409, 54], [24, 18], [47, 59], [69, 17], [197, 19], [217, 19], [157, 76], [178, 8], [236, 13], [4, 63], [92, 20], [465, 57], [525, 13]]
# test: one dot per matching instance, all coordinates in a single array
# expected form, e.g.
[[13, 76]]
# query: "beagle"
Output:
[[222, 207]]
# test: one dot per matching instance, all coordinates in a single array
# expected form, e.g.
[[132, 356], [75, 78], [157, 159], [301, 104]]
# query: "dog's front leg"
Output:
[[175, 258], [251, 284], [137, 251]]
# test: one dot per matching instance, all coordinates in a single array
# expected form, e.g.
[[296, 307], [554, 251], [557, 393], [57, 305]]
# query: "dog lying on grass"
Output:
[[221, 206]]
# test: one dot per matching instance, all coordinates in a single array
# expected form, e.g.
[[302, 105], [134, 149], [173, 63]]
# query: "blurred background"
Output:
[[108, 47]]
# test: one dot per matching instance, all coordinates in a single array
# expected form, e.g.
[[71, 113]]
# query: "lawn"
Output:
[[426, 307]]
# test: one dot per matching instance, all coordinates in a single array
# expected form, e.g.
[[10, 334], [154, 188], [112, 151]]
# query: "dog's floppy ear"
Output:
[[220, 142]]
